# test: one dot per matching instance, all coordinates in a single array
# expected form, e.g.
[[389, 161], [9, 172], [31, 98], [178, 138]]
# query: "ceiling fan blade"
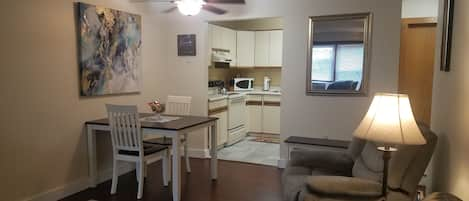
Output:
[[214, 9], [226, 1], [170, 9]]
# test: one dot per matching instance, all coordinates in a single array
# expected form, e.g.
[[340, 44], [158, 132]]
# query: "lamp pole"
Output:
[[386, 157]]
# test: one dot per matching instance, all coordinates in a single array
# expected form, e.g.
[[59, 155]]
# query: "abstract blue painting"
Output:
[[110, 47]]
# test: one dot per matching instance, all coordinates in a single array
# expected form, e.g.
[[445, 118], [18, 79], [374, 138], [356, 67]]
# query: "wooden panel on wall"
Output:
[[416, 64]]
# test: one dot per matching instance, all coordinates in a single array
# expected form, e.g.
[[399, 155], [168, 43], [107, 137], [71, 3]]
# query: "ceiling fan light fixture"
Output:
[[190, 7]]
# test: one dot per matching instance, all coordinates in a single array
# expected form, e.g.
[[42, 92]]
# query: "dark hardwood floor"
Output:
[[236, 182]]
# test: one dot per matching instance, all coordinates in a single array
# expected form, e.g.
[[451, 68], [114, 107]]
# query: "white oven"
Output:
[[244, 84]]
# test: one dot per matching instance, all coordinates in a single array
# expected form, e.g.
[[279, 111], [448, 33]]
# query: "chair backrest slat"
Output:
[[178, 105], [125, 127]]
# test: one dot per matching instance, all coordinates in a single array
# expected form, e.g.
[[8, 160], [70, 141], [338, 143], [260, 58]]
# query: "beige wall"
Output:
[[42, 143], [419, 8], [335, 117], [301, 115], [450, 111]]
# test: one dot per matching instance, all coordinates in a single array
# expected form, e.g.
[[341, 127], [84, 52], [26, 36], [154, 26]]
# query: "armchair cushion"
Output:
[[343, 186], [333, 161]]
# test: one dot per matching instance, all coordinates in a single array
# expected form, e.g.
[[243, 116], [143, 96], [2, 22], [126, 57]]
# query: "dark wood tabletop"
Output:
[[178, 124]]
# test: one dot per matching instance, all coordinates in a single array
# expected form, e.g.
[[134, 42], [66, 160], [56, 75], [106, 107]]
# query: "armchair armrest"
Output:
[[330, 160], [344, 186]]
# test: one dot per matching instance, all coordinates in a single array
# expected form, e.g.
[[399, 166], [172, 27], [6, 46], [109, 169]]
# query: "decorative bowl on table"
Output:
[[157, 108]]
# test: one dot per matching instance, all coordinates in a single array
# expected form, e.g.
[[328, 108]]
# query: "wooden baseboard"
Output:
[[77, 186], [105, 175]]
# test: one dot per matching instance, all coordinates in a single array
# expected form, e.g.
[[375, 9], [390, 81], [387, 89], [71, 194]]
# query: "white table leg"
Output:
[[176, 181], [213, 152], [92, 163]]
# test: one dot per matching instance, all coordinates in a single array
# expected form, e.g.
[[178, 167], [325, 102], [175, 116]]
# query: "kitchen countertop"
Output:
[[256, 91]]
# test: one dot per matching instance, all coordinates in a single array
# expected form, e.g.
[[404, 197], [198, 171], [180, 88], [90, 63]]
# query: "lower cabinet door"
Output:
[[222, 127], [271, 119], [255, 118]]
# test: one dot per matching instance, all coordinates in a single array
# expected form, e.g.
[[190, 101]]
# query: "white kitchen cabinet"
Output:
[[262, 48], [269, 48], [245, 48], [222, 127], [219, 109], [255, 118], [223, 38], [254, 113], [216, 35], [276, 48], [229, 43], [271, 114], [263, 114], [271, 119]]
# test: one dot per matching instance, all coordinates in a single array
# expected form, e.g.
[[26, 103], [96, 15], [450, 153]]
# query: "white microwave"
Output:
[[244, 84]]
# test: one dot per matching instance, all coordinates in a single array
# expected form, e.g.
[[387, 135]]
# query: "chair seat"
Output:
[[166, 141], [147, 149]]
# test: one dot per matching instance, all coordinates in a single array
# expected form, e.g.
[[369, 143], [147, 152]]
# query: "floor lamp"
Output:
[[389, 122]]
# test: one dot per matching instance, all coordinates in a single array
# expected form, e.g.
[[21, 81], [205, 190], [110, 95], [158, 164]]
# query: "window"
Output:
[[338, 62], [324, 57]]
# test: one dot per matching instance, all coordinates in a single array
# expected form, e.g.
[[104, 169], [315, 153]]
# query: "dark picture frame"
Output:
[[447, 36], [187, 45]]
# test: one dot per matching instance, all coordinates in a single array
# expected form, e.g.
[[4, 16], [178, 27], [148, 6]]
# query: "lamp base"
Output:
[[386, 156]]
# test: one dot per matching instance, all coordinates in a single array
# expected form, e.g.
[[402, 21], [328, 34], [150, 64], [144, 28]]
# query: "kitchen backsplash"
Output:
[[226, 74]]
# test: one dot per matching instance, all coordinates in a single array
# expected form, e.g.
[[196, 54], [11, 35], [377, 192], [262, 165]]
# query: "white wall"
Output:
[[332, 117], [419, 8], [450, 110]]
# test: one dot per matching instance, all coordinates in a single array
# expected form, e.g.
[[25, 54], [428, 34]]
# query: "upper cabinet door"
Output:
[[223, 38], [216, 33], [276, 48], [229, 43], [245, 48], [262, 48], [269, 48]]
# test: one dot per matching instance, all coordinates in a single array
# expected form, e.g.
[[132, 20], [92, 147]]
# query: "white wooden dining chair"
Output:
[[127, 145], [176, 105]]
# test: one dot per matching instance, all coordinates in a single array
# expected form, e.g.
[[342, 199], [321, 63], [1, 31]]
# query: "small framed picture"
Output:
[[187, 45]]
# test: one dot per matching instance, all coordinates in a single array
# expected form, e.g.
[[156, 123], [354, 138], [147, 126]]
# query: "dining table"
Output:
[[173, 126]]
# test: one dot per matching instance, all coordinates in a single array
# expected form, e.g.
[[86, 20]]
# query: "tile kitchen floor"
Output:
[[251, 152]]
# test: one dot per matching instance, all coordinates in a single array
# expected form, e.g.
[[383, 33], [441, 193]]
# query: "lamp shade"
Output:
[[389, 120]]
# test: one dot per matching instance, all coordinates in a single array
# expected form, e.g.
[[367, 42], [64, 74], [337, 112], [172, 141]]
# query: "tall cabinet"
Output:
[[245, 45], [223, 38], [268, 48]]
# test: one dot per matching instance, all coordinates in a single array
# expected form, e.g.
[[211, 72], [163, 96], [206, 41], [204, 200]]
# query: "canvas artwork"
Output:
[[110, 45]]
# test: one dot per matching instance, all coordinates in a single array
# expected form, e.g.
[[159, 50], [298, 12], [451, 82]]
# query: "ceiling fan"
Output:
[[193, 7]]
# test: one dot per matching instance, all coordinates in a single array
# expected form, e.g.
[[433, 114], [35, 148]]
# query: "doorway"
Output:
[[416, 64]]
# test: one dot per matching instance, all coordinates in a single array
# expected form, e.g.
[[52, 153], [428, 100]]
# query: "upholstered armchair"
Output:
[[356, 174]]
